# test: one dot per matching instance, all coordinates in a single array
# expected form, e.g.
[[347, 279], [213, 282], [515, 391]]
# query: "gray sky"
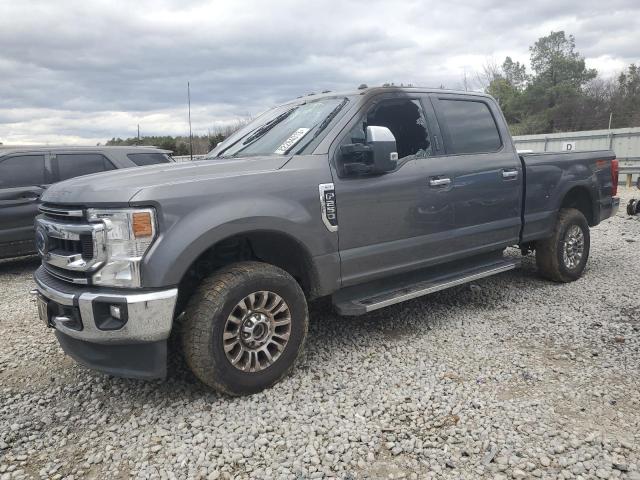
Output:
[[85, 71]]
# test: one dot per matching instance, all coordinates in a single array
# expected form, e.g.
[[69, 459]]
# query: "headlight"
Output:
[[129, 233]]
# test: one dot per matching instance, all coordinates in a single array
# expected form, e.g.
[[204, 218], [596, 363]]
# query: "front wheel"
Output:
[[563, 256], [244, 327]]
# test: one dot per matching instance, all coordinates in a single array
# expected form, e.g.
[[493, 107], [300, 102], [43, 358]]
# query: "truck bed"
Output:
[[549, 176]]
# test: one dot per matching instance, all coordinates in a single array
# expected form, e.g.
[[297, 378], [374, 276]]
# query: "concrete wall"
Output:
[[625, 142]]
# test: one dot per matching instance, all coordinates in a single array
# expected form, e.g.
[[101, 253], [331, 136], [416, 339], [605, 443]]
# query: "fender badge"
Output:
[[328, 206]]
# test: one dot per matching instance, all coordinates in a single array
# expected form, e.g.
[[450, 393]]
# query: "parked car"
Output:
[[25, 172], [371, 197]]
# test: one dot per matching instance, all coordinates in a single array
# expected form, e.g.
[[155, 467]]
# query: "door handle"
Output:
[[509, 174], [439, 182]]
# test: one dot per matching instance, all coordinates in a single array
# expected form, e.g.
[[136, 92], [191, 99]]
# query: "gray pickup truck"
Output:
[[372, 197]]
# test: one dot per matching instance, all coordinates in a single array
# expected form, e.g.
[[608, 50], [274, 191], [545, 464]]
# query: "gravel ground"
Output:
[[510, 377]]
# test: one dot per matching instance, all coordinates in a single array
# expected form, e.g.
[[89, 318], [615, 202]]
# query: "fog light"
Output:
[[114, 310], [110, 313]]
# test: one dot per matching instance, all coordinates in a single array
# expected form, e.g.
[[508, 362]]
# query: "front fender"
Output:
[[194, 232]]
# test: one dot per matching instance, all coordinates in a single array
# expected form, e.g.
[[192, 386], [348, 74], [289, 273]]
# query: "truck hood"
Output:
[[120, 186]]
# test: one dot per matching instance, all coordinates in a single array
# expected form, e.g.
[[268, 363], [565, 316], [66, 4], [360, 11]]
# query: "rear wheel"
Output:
[[244, 327], [563, 256]]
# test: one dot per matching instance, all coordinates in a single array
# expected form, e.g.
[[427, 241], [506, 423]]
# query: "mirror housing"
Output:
[[377, 155], [383, 146]]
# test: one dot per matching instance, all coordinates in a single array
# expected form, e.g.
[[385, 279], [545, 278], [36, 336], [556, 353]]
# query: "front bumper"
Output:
[[135, 348]]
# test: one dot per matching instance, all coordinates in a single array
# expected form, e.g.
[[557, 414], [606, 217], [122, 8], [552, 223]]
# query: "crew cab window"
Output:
[[22, 171], [76, 164], [142, 159], [471, 127], [406, 120]]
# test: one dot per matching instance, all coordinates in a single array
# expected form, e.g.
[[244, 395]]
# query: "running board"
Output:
[[369, 297]]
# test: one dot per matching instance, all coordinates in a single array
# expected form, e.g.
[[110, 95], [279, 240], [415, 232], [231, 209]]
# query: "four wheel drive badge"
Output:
[[328, 206]]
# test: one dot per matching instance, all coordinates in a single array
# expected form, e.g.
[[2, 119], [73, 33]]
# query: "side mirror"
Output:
[[383, 146], [377, 155]]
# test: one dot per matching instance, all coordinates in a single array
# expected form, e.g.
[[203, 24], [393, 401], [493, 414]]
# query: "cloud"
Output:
[[82, 72]]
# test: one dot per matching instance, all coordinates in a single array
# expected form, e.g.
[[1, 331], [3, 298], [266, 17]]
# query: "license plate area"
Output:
[[54, 314], [43, 310]]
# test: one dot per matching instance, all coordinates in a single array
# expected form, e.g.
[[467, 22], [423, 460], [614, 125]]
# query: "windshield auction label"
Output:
[[291, 141]]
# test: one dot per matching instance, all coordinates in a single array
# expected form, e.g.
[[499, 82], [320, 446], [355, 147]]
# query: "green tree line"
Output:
[[559, 93], [180, 144]]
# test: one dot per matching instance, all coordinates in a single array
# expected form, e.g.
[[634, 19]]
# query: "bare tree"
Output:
[[490, 71]]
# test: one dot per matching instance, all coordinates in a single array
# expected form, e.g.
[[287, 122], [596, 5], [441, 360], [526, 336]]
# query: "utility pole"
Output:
[[610, 118], [190, 135], [138, 134]]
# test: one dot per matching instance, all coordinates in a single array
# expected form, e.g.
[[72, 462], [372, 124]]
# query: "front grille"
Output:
[[84, 246], [70, 252], [62, 246], [46, 277], [69, 214], [63, 274]]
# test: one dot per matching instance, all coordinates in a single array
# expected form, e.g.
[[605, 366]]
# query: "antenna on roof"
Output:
[[190, 135]]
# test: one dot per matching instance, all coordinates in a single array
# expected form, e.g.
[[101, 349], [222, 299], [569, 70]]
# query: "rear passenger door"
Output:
[[23, 177], [485, 173], [74, 164]]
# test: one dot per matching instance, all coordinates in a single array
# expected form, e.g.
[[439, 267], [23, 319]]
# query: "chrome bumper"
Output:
[[149, 318]]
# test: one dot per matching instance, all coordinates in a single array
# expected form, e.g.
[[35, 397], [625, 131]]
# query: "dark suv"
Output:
[[25, 172]]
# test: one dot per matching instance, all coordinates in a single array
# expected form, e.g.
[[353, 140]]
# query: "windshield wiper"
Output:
[[322, 125], [268, 126], [259, 132]]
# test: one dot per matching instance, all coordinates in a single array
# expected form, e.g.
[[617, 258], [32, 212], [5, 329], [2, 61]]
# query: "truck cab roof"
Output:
[[367, 92]]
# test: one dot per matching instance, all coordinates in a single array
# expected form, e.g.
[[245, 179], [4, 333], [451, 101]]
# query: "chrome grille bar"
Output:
[[61, 212], [72, 231]]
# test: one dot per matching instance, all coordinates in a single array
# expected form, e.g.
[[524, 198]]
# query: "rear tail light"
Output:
[[615, 173]]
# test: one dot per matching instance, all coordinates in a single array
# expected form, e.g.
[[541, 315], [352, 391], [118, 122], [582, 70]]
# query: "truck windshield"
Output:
[[282, 130]]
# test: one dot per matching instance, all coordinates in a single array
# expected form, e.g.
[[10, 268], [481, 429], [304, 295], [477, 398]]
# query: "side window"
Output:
[[471, 126], [142, 159], [22, 171], [75, 164], [405, 119]]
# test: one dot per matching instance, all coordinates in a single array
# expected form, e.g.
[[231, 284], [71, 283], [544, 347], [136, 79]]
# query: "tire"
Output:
[[632, 207], [218, 313], [550, 258]]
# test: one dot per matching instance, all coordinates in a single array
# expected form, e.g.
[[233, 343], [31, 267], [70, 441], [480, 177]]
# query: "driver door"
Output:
[[396, 221]]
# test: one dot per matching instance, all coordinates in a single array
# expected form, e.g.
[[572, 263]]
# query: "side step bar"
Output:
[[363, 299]]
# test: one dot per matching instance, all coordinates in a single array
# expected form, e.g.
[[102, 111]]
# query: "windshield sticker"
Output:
[[291, 141]]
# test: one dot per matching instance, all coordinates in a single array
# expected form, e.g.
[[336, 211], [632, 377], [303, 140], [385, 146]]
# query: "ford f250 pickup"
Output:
[[371, 197]]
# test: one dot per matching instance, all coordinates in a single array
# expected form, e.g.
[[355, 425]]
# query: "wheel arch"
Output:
[[269, 246], [581, 198]]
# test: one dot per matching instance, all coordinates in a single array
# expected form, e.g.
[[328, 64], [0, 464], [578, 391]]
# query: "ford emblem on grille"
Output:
[[42, 241]]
